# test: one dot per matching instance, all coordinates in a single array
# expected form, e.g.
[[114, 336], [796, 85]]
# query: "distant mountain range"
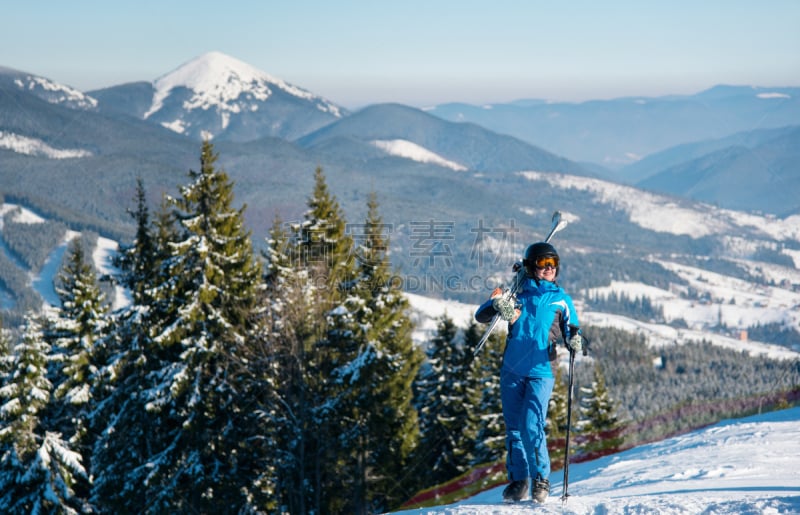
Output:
[[708, 147], [743, 171], [618, 132], [478, 192]]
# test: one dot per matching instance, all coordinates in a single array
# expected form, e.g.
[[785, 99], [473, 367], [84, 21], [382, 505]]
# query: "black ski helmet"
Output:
[[536, 251]]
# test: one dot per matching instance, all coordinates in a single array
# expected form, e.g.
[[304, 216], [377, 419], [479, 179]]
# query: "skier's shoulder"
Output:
[[556, 293], [552, 288]]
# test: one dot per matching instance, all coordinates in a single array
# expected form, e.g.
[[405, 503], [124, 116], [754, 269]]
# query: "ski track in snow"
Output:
[[744, 466]]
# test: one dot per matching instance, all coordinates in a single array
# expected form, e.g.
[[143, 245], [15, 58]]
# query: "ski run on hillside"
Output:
[[734, 467]]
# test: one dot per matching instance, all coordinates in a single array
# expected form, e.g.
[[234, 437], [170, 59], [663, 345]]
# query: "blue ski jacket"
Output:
[[546, 314]]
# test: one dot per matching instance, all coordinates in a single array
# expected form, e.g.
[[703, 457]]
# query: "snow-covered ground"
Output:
[[663, 214], [425, 312], [37, 147], [410, 150], [23, 216], [744, 466], [42, 281]]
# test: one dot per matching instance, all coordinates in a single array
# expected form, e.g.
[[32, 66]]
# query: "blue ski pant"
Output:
[[525, 401]]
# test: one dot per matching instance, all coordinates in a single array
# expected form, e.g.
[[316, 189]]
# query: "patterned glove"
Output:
[[505, 307], [575, 342]]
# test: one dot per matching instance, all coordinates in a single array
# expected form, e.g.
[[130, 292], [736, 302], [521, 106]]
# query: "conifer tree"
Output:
[[598, 425], [138, 261], [323, 246], [342, 336], [379, 419], [81, 323], [126, 436], [278, 265], [37, 467], [445, 401], [5, 351], [485, 373], [322, 251], [74, 332], [83, 305], [126, 429], [282, 358], [198, 321], [556, 425], [123, 443]]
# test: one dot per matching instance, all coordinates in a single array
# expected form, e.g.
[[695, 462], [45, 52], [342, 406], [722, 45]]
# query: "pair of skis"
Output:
[[510, 293]]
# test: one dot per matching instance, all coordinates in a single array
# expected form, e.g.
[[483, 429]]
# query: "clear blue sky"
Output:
[[418, 52]]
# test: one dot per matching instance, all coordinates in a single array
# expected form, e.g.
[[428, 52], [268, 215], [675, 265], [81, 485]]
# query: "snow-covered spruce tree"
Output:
[[379, 422], [556, 424], [37, 467], [485, 374], [281, 358], [204, 298], [73, 331], [83, 305], [323, 247], [125, 429], [138, 261], [323, 252], [339, 336], [447, 405], [598, 427]]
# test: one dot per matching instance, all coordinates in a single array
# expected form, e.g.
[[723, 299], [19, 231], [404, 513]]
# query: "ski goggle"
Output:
[[544, 262]]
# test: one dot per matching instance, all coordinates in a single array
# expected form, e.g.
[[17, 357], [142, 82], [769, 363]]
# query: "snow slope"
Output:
[[663, 214], [744, 466], [730, 302], [43, 280], [410, 150], [37, 147]]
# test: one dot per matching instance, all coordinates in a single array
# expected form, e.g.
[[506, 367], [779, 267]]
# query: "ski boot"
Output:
[[516, 491], [541, 489]]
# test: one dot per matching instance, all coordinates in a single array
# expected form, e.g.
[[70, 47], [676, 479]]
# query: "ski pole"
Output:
[[564, 493]]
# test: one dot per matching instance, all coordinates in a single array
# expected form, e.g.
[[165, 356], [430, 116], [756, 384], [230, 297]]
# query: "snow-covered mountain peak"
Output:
[[216, 76], [48, 90], [219, 81]]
